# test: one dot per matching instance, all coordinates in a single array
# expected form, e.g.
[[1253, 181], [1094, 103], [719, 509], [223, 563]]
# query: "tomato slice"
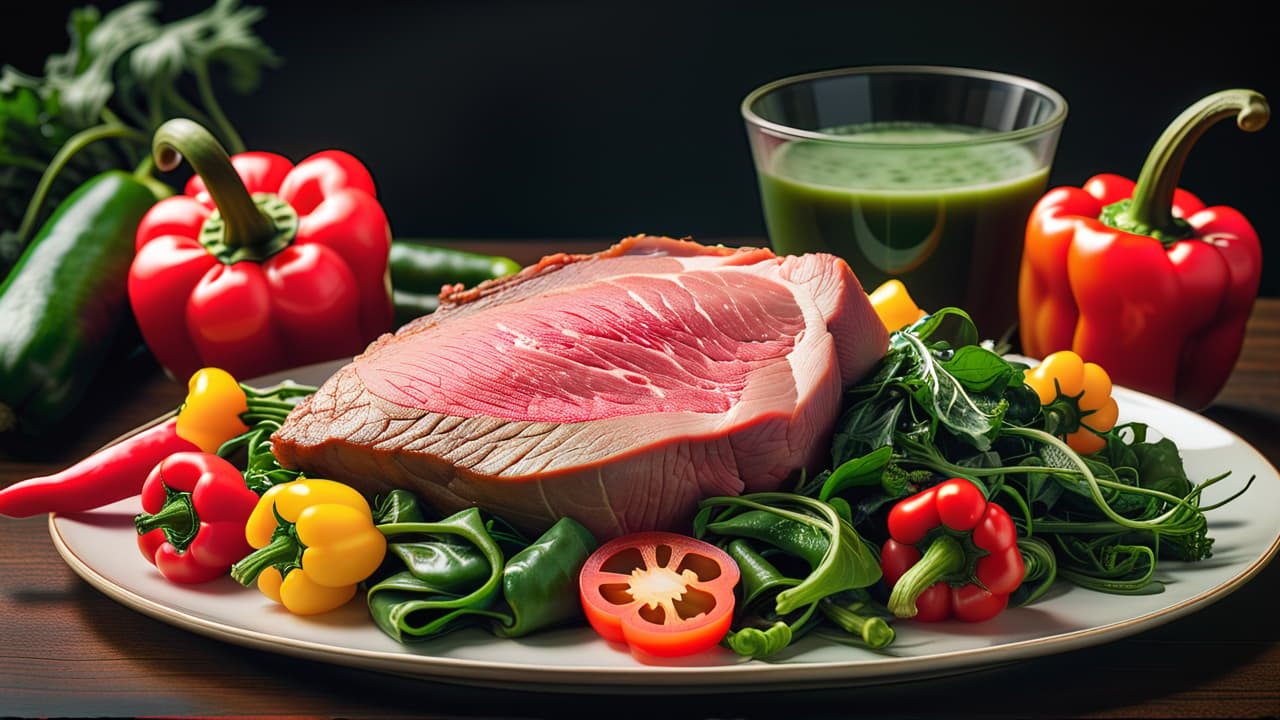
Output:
[[661, 593]]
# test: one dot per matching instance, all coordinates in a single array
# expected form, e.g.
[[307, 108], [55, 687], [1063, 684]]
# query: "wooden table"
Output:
[[68, 650]]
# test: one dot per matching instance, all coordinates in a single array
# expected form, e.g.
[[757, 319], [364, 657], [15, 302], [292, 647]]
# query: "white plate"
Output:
[[100, 546]]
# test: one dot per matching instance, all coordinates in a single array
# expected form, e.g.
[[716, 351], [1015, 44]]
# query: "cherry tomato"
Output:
[[661, 593]]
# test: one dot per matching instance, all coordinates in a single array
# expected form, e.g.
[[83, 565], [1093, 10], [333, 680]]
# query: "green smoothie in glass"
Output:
[[922, 173], [906, 200]]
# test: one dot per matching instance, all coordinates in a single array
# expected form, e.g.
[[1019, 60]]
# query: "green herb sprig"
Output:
[[96, 105]]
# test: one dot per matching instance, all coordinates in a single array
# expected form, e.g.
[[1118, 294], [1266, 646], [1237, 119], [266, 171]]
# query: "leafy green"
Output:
[[766, 533], [96, 105], [465, 570], [941, 405]]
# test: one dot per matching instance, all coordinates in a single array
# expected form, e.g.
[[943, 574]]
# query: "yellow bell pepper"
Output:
[[1076, 398], [210, 415], [316, 543], [894, 305]]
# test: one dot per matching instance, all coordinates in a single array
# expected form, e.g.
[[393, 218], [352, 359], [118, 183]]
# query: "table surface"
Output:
[[68, 650]]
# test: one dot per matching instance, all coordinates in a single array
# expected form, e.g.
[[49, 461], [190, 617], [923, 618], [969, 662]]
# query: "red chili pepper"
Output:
[[261, 265], [111, 474], [196, 505], [950, 554], [1142, 278], [209, 416]]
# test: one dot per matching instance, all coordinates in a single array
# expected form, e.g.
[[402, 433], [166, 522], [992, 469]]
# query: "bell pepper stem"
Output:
[[1151, 211], [178, 520], [179, 138], [283, 550], [944, 556]]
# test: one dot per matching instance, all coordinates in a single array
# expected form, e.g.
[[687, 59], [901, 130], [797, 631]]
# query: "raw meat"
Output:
[[618, 388]]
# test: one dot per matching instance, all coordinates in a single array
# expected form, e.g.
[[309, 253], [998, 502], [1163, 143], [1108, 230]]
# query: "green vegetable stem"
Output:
[[796, 554]]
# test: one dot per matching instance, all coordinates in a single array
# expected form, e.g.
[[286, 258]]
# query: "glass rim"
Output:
[[1055, 119]]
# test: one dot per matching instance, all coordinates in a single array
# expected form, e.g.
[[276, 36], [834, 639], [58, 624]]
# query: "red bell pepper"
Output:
[[950, 553], [195, 509], [262, 265], [1141, 278]]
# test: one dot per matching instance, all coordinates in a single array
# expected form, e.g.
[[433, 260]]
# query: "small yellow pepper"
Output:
[[894, 305], [210, 416], [1076, 399], [316, 542]]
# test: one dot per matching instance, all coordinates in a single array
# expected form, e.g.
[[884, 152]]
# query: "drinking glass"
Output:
[[925, 174]]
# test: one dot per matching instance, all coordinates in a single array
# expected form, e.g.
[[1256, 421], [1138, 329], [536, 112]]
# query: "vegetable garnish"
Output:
[[270, 265], [469, 569], [801, 560], [941, 405], [212, 412], [1142, 278], [1076, 396], [950, 553], [113, 473], [195, 506], [661, 593], [315, 543]]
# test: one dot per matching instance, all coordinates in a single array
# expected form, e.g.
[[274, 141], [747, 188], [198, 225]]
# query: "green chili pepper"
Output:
[[857, 614], [539, 583]]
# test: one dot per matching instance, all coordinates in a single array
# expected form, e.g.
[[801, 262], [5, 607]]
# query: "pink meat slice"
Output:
[[617, 388]]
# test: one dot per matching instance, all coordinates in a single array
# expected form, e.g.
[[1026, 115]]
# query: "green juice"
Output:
[[947, 220]]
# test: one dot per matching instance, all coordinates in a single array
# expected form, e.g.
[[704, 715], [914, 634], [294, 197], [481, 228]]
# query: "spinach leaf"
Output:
[[942, 404]]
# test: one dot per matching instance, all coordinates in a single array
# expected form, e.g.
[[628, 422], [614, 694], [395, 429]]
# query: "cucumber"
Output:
[[66, 301], [418, 270], [421, 268]]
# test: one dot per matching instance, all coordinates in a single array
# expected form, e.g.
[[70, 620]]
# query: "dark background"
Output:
[[601, 119]]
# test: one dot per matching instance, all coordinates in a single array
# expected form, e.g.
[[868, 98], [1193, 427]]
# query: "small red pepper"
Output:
[[950, 554], [195, 508], [262, 265], [208, 417], [1142, 278], [113, 473]]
